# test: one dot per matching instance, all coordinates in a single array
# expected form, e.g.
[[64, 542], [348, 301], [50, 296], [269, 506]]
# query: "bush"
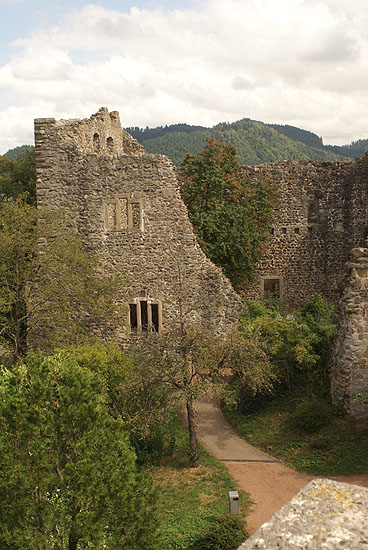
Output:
[[154, 446], [311, 415], [224, 533]]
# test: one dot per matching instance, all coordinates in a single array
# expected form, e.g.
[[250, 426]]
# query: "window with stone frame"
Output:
[[271, 286], [123, 213], [145, 315]]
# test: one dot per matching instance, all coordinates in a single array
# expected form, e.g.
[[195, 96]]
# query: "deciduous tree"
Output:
[[51, 291], [231, 216]]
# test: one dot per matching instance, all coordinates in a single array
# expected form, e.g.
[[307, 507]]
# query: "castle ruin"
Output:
[[127, 208]]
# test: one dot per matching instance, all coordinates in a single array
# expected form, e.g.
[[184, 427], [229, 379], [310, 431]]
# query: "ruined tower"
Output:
[[127, 208]]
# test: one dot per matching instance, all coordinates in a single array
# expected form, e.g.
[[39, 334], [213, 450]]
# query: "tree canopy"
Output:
[[68, 478], [231, 216], [18, 176]]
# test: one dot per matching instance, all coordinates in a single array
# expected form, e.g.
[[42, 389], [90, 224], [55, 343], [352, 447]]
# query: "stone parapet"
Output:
[[324, 515]]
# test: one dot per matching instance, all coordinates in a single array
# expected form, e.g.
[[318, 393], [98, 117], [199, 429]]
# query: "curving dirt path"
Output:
[[269, 482]]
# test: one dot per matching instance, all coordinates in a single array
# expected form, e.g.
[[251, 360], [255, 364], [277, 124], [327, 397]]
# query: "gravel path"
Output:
[[269, 482]]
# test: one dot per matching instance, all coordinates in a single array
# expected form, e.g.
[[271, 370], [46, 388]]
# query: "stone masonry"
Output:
[[126, 206], [324, 515], [321, 215], [349, 372]]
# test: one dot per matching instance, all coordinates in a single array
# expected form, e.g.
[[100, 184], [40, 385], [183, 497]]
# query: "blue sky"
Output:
[[299, 62]]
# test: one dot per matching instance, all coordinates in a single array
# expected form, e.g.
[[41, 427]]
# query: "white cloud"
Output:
[[301, 62]]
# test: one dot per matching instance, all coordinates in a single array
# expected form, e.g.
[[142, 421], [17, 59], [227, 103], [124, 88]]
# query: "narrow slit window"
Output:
[[136, 215], [96, 142], [365, 236], [133, 318], [144, 315], [111, 216], [155, 319]]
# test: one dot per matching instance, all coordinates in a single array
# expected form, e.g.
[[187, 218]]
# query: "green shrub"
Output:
[[154, 446], [311, 415], [224, 533]]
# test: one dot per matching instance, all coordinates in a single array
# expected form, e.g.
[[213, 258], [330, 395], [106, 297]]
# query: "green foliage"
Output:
[[224, 533], [231, 216], [49, 294], [18, 175], [68, 476], [186, 363], [298, 343], [191, 498], [310, 415], [256, 142], [297, 134], [137, 399], [320, 318]]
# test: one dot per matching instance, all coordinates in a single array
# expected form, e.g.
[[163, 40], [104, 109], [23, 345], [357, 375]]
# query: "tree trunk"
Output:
[[192, 434], [73, 541]]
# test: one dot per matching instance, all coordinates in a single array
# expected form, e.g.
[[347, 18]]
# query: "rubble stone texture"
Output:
[[321, 216], [349, 372], [126, 206], [324, 515]]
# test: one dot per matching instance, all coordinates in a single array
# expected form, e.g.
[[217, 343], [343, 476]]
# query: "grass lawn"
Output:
[[191, 498], [340, 447]]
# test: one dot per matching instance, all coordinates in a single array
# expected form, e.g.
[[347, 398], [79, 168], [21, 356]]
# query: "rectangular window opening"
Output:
[[272, 287], [144, 315], [133, 318], [154, 315]]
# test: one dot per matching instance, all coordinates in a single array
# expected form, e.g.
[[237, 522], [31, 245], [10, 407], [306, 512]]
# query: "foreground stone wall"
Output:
[[325, 514], [349, 371], [320, 217], [127, 208]]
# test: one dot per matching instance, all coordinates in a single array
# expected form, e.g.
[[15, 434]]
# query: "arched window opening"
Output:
[[110, 144], [96, 142]]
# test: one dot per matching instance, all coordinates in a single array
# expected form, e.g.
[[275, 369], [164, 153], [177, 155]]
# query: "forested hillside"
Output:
[[255, 141]]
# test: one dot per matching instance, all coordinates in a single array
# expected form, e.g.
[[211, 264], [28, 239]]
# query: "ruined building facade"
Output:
[[321, 215], [126, 206]]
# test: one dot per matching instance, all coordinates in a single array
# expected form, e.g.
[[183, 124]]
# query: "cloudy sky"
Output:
[[299, 62]]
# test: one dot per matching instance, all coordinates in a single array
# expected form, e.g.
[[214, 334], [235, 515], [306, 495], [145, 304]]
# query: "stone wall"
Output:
[[320, 217], [349, 372], [324, 515], [127, 208]]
